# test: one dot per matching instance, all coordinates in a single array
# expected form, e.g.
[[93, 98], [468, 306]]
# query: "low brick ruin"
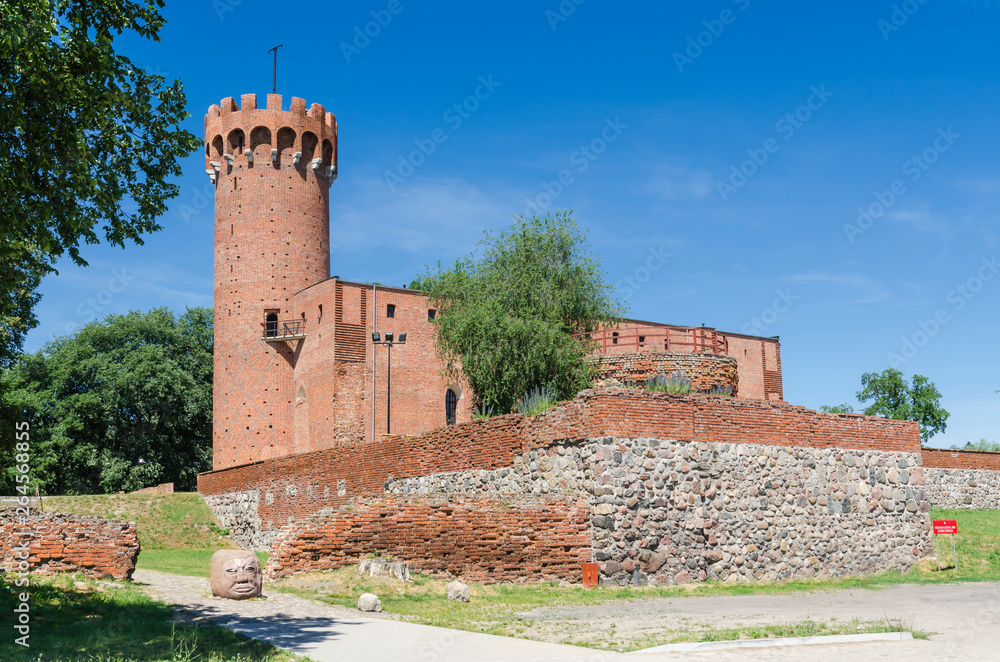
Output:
[[657, 488], [58, 542]]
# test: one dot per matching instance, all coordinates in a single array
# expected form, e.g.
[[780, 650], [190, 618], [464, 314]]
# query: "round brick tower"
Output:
[[272, 170]]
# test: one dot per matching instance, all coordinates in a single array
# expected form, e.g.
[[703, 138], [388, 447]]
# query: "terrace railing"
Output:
[[694, 340]]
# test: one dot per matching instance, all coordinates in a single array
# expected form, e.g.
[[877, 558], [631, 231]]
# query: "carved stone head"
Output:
[[235, 574]]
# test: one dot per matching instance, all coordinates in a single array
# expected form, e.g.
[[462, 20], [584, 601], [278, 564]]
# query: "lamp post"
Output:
[[388, 343]]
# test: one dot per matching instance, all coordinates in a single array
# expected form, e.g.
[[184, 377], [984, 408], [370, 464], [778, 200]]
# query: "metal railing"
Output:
[[694, 340], [284, 330]]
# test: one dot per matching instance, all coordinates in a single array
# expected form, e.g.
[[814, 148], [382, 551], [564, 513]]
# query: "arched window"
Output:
[[271, 325], [450, 406]]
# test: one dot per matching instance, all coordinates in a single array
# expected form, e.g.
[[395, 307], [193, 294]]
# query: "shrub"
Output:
[[677, 382], [536, 401]]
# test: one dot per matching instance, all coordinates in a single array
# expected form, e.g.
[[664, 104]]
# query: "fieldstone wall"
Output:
[[238, 512], [675, 511], [58, 542], [974, 489]]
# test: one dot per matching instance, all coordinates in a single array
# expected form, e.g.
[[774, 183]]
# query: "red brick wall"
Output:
[[704, 370], [759, 361], [489, 538], [272, 238], [943, 458], [94, 546]]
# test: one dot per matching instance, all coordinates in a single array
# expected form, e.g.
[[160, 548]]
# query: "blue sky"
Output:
[[736, 141]]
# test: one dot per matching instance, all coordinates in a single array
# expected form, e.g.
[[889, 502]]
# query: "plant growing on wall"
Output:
[[677, 383], [536, 401], [508, 312]]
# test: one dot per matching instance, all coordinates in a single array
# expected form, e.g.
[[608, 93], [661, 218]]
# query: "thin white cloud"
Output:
[[674, 181]]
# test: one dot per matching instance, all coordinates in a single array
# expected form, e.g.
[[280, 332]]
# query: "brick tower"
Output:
[[272, 170]]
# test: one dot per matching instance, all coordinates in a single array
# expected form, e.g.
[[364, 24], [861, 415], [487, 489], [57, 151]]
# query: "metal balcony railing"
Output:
[[694, 340], [275, 330]]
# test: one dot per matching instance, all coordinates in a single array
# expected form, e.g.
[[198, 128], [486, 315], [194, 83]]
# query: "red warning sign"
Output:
[[945, 526]]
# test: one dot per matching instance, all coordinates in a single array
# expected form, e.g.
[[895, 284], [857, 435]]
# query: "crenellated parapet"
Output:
[[244, 135]]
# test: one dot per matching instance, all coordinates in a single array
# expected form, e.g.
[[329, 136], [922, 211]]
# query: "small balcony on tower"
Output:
[[276, 330]]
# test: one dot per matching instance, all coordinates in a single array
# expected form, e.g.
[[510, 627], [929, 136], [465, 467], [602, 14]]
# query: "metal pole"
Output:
[[954, 550], [274, 78], [937, 542], [388, 391]]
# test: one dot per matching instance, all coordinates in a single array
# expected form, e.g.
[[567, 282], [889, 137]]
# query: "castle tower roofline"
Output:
[[249, 135]]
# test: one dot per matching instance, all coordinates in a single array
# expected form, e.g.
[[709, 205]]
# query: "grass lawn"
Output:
[[193, 562], [164, 521], [75, 618]]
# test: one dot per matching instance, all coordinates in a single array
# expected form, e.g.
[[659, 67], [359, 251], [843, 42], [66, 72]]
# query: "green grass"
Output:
[[75, 618], [192, 562], [164, 521]]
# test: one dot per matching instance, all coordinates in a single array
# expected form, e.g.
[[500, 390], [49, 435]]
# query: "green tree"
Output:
[[122, 404], [893, 397], [506, 317], [90, 140]]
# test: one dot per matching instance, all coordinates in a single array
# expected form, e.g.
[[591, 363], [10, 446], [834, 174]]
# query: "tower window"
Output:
[[431, 314], [390, 310], [319, 317], [614, 337], [450, 406], [271, 325]]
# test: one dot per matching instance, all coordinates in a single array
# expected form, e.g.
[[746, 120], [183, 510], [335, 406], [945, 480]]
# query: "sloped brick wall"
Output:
[[489, 538], [94, 546]]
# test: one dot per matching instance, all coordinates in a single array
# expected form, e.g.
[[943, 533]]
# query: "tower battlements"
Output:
[[245, 136]]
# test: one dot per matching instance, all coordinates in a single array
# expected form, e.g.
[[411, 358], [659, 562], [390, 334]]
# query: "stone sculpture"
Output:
[[235, 574]]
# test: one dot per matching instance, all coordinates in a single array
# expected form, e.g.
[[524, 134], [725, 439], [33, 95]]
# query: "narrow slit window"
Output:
[[390, 310], [614, 337], [450, 407], [431, 314]]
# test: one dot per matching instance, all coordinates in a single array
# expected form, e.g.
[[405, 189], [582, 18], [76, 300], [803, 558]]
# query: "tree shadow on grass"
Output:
[[75, 619]]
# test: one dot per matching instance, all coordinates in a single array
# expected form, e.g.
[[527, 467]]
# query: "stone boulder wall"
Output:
[[94, 546], [704, 370], [974, 489], [482, 538], [673, 512]]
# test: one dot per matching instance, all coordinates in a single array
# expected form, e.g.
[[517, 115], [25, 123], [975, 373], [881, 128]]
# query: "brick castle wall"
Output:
[[94, 546], [479, 538], [945, 458]]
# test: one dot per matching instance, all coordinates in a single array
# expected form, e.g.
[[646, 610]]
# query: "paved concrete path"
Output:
[[966, 618]]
